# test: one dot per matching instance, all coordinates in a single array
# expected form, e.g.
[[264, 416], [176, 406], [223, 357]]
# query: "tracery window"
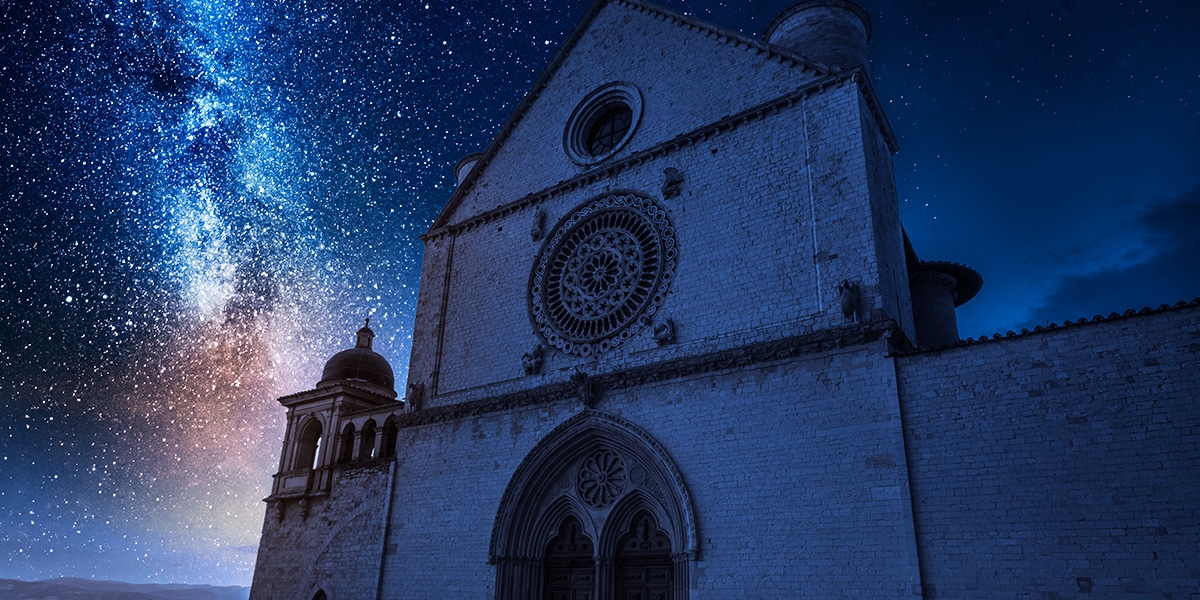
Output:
[[609, 129]]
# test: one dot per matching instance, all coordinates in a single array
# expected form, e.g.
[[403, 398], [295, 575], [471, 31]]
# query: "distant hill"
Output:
[[71, 588]]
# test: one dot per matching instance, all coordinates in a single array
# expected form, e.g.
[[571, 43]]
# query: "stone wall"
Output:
[[774, 213], [1059, 464], [796, 470], [334, 545]]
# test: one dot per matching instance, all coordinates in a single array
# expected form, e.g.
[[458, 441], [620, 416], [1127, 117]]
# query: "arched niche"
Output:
[[605, 472]]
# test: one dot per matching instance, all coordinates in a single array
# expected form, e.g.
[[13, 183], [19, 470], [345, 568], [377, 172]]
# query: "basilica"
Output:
[[672, 342]]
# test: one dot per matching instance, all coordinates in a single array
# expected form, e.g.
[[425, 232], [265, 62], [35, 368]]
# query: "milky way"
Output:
[[203, 200]]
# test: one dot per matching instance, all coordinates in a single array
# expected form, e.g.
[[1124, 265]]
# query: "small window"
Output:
[[602, 123], [609, 130]]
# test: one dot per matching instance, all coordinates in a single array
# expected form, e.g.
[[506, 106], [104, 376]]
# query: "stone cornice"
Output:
[[364, 390], [696, 364]]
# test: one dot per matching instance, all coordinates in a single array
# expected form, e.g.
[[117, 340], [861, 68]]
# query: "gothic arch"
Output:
[[603, 470]]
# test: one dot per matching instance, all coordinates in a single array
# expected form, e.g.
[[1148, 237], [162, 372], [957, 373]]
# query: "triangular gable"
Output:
[[765, 54]]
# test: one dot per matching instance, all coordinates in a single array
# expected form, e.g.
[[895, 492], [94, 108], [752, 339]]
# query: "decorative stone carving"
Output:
[[584, 389], [672, 182], [532, 360], [602, 275], [539, 221], [415, 396], [664, 332], [601, 479], [849, 294], [303, 508]]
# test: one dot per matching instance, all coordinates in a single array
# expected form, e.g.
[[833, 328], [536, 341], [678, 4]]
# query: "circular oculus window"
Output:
[[602, 123], [602, 274]]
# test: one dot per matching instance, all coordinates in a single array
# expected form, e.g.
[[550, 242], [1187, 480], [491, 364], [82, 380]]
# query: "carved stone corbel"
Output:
[[415, 398], [532, 360], [584, 389], [664, 332], [539, 222], [849, 295], [672, 182]]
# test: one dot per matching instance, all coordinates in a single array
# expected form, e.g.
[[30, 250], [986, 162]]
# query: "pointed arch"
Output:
[[603, 470]]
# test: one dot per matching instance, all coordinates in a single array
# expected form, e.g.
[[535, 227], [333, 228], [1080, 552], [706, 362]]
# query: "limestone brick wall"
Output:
[[1059, 464], [796, 471], [336, 547], [893, 292], [657, 56], [450, 478], [798, 476], [774, 213]]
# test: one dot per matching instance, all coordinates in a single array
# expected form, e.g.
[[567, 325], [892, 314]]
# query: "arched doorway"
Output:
[[569, 566], [601, 480], [643, 565]]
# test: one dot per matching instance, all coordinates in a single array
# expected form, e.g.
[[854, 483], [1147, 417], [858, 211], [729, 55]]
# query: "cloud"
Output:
[[1164, 277]]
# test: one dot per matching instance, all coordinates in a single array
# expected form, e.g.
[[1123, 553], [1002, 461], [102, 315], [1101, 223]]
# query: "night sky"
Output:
[[202, 199]]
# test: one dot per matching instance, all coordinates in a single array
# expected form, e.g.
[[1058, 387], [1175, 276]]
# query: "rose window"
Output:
[[601, 478], [602, 274]]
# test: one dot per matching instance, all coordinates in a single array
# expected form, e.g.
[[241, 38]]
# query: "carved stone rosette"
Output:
[[601, 479]]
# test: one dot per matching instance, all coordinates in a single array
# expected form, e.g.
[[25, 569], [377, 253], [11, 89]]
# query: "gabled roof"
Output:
[[721, 34]]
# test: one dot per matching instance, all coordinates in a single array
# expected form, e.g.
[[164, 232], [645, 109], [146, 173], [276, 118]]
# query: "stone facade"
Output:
[[665, 348]]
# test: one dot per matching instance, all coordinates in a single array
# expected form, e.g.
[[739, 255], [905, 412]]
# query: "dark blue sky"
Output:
[[202, 200]]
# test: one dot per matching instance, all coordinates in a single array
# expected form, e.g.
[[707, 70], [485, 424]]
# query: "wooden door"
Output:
[[569, 564], [643, 562]]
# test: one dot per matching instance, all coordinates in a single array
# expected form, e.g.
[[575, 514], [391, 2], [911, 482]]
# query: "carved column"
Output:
[[288, 461], [681, 579], [604, 577], [355, 447]]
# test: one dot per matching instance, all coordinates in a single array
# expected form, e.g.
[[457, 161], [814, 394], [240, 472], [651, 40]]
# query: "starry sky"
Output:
[[200, 200]]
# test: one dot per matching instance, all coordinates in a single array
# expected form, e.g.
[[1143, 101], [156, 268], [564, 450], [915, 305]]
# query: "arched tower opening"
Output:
[[366, 447], [308, 446], [346, 445]]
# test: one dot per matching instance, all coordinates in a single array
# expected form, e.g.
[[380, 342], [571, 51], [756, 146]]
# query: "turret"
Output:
[[939, 287], [829, 32]]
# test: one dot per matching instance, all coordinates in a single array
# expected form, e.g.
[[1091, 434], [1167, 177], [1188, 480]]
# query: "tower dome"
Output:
[[831, 32], [360, 363]]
